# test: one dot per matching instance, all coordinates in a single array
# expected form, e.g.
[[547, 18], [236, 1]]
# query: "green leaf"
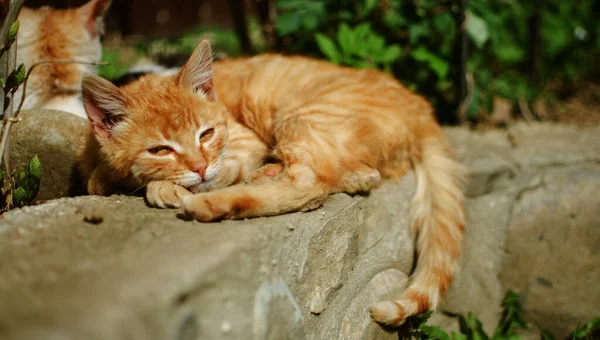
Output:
[[369, 6], [21, 178], [512, 317], [393, 19], [19, 196], [391, 54], [12, 32], [417, 31], [35, 169], [477, 29], [458, 336], [439, 66], [471, 327], [15, 79], [374, 45], [327, 47], [345, 38], [547, 335], [287, 23], [509, 53], [310, 22], [589, 330], [435, 332], [362, 31]]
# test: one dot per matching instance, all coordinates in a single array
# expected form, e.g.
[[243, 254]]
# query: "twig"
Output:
[[464, 105], [13, 13], [525, 111], [8, 122], [11, 62]]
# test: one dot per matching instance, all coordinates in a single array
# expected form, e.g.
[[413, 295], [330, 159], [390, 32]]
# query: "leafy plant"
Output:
[[16, 188], [510, 322], [27, 183], [360, 47], [416, 39]]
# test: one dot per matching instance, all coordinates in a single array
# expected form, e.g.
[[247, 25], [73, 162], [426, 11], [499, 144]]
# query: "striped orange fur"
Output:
[[49, 34], [325, 129]]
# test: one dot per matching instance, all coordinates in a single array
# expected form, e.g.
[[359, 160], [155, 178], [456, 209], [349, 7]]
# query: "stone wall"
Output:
[[533, 226]]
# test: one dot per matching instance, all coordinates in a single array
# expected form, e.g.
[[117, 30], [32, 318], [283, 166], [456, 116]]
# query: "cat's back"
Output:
[[278, 83]]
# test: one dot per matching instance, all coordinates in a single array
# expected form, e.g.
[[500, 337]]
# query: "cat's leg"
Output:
[[361, 180], [100, 182], [266, 173], [165, 194], [296, 189], [246, 153]]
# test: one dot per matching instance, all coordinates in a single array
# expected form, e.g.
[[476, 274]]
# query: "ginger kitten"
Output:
[[47, 34], [328, 129]]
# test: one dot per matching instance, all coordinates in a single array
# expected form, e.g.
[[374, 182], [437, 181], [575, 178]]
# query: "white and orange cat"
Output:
[[49, 34], [323, 128]]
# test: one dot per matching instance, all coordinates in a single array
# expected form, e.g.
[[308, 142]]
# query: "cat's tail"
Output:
[[438, 221]]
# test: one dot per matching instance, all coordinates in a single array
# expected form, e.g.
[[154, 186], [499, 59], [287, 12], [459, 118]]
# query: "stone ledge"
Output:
[[149, 274]]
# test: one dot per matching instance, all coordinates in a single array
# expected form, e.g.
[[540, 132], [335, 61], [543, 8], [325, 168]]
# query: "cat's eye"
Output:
[[162, 150], [207, 135]]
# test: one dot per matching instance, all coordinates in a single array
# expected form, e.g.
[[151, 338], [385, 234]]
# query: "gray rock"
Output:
[[54, 137], [553, 248], [148, 274]]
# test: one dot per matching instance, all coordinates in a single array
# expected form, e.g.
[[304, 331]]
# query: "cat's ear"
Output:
[[197, 73], [104, 104], [92, 16]]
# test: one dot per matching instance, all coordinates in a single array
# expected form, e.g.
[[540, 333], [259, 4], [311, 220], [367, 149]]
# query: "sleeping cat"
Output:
[[47, 34], [324, 129]]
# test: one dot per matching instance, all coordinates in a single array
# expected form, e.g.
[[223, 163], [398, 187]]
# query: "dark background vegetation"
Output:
[[483, 61]]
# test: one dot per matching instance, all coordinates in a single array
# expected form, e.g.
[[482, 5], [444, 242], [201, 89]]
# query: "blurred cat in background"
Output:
[[49, 34]]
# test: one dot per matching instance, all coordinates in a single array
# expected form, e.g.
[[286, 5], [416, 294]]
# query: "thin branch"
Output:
[[464, 105], [9, 121], [13, 13], [525, 111]]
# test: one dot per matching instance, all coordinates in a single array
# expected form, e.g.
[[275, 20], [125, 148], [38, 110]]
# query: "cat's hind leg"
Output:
[[266, 173], [362, 180]]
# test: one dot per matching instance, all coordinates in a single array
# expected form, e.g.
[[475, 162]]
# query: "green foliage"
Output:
[[589, 331], [224, 41], [27, 183], [18, 188], [512, 317], [21, 187], [360, 47], [415, 40], [15, 79], [12, 32], [510, 322], [117, 65]]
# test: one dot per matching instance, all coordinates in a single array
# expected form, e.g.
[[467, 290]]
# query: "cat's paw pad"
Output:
[[207, 207], [266, 173], [163, 194]]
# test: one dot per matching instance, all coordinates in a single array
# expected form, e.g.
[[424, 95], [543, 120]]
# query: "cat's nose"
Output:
[[199, 167]]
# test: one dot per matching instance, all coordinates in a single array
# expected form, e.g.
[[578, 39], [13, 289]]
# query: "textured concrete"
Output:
[[148, 274]]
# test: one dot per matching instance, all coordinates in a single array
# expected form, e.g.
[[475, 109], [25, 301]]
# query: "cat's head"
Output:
[[74, 33], [161, 127]]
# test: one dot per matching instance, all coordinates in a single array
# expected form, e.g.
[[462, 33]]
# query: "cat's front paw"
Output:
[[207, 207], [165, 194]]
